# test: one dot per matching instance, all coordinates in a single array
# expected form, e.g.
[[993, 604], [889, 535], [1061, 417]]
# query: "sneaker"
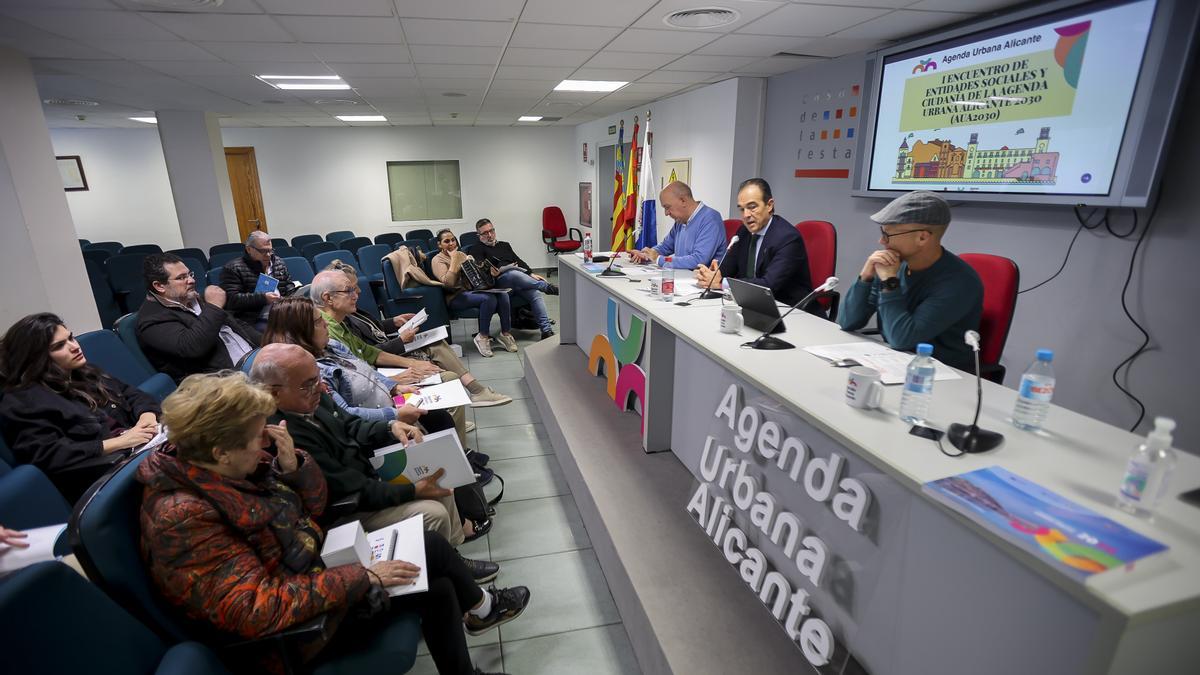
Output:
[[484, 344], [478, 457], [481, 528], [482, 571], [548, 333], [508, 341], [488, 397], [468, 427], [551, 289], [507, 604]]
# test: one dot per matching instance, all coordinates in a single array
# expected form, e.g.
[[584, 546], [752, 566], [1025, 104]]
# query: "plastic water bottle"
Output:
[[918, 386], [1037, 388], [1148, 472], [667, 285], [587, 247]]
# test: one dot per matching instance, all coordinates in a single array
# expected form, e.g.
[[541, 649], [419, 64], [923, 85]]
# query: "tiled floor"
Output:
[[571, 625]]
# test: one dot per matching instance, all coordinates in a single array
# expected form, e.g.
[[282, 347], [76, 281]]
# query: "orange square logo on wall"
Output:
[[824, 135]]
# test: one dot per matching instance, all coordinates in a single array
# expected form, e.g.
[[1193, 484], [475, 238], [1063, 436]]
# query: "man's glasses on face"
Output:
[[487, 233], [887, 237], [265, 251], [348, 291], [184, 277]]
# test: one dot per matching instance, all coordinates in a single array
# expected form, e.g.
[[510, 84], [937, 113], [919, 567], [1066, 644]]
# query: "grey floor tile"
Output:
[[533, 527], [605, 650], [510, 386], [528, 478], [522, 440], [489, 658], [568, 593], [479, 549], [492, 369], [521, 411]]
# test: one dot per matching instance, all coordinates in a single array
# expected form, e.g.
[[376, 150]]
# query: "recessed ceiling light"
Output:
[[298, 77], [529, 118], [702, 17], [147, 120], [361, 118], [335, 101], [309, 86], [589, 85]]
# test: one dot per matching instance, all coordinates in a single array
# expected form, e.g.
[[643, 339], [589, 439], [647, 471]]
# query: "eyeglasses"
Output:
[[487, 233], [348, 291], [184, 277], [264, 251], [887, 237], [310, 386]]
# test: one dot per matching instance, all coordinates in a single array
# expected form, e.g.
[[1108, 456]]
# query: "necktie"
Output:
[[752, 259]]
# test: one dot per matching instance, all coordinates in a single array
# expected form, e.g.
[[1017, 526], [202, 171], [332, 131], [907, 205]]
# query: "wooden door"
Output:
[[247, 194]]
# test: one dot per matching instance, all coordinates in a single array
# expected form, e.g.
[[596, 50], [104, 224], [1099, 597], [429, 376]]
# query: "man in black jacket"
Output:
[[181, 333], [239, 279], [520, 279]]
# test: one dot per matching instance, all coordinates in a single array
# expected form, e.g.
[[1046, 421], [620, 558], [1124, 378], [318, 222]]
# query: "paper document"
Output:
[[402, 466], [427, 338], [266, 284], [891, 364], [435, 378], [405, 541], [159, 439], [438, 396], [413, 323], [638, 272], [41, 542]]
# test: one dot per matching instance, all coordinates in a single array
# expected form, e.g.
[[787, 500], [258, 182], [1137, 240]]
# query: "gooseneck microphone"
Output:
[[609, 271], [708, 293], [768, 341], [970, 438]]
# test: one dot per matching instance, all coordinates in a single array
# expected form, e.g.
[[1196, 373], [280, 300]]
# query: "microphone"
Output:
[[768, 341], [970, 438], [609, 271], [708, 293]]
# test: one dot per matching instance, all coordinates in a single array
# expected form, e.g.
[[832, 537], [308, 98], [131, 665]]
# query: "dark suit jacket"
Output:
[[782, 263], [180, 343]]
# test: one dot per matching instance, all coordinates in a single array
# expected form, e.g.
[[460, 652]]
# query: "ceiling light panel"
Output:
[[319, 7], [362, 118], [588, 85]]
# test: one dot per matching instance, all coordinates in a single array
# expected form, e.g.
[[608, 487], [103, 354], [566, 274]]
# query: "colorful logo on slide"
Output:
[[1068, 51], [927, 64]]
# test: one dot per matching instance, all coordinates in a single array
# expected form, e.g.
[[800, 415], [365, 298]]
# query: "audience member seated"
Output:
[[181, 333], [371, 332], [239, 278], [447, 267], [922, 292], [521, 279], [697, 237], [344, 444], [230, 536], [769, 251], [61, 414]]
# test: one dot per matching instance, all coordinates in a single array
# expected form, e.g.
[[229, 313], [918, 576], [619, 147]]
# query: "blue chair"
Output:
[[286, 251], [125, 277], [310, 251], [102, 293], [214, 276], [126, 329], [248, 360], [216, 262], [413, 299], [321, 260], [141, 248], [367, 300], [392, 239], [83, 243], [419, 234], [196, 253], [468, 239], [299, 270], [419, 245], [28, 499], [299, 242], [58, 623], [370, 259], [237, 248], [105, 349], [276, 242], [354, 243], [113, 247], [338, 236], [199, 269], [97, 255]]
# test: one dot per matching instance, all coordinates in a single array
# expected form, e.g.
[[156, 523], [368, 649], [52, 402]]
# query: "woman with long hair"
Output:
[[60, 413], [447, 267]]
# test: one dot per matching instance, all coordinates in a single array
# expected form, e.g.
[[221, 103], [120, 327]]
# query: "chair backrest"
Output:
[[321, 260], [236, 247], [84, 242], [430, 245], [370, 259], [420, 233], [354, 243], [125, 276], [299, 241], [105, 349], [113, 247], [196, 253], [311, 250], [392, 239], [248, 360], [199, 269], [554, 224], [338, 236], [98, 255], [276, 242], [299, 270], [126, 328], [217, 261], [468, 239], [731, 228], [141, 248], [1001, 277], [285, 251], [106, 302], [214, 276], [820, 243]]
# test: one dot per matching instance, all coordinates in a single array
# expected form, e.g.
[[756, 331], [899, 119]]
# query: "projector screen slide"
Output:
[[1036, 107]]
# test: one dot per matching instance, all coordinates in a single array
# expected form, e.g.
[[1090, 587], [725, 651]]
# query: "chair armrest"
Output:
[[546, 236], [287, 643], [577, 231]]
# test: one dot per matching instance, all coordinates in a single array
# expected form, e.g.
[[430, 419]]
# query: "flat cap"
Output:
[[920, 207]]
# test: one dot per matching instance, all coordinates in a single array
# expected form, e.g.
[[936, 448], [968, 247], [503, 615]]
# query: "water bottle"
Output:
[[667, 285], [1035, 392], [918, 386], [587, 247], [1148, 472]]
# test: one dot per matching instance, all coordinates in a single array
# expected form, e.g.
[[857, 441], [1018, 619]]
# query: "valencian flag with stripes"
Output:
[[618, 211], [647, 215], [625, 206]]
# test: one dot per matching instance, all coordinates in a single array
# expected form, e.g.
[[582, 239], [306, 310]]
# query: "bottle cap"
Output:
[[1045, 355], [1161, 436], [924, 349]]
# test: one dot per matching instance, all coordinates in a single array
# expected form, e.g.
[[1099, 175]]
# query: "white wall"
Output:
[[129, 196], [1078, 314]]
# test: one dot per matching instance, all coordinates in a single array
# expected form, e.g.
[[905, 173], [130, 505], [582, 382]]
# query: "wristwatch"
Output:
[[890, 284]]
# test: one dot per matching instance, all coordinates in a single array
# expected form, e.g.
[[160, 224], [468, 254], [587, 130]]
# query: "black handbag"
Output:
[[478, 277]]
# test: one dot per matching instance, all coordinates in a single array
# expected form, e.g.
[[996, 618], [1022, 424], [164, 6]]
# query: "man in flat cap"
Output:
[[922, 292]]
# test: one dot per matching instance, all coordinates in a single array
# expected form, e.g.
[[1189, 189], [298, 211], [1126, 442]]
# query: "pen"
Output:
[[391, 548]]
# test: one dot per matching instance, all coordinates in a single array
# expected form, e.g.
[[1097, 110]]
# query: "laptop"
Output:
[[759, 309]]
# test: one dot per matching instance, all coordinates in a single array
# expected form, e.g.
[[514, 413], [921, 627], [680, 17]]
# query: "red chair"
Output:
[[820, 242], [554, 225], [1001, 278], [731, 228]]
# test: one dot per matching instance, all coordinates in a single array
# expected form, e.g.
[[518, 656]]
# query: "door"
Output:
[[247, 194], [604, 194]]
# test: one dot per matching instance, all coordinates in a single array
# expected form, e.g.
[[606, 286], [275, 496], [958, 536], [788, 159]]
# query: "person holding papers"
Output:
[[241, 278], [768, 252], [62, 414], [231, 537], [921, 291], [447, 267], [697, 237], [516, 274]]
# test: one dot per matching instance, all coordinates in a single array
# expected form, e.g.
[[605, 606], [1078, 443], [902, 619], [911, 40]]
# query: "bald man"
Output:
[[697, 237]]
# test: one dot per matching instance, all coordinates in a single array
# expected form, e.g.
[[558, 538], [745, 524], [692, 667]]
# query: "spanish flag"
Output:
[[625, 205]]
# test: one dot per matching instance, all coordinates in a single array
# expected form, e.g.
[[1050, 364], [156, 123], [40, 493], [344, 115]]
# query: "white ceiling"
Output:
[[402, 57]]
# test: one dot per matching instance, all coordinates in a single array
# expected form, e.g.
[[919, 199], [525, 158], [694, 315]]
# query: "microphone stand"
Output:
[[609, 271], [768, 341], [708, 293], [970, 438]]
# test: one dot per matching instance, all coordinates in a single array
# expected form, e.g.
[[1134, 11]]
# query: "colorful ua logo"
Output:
[[927, 64]]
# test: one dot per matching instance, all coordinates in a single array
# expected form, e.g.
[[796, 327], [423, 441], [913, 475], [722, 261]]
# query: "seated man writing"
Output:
[[769, 252], [521, 279], [697, 237], [921, 291], [239, 279]]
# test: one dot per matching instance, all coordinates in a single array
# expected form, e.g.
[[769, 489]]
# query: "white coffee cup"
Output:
[[731, 319], [863, 388]]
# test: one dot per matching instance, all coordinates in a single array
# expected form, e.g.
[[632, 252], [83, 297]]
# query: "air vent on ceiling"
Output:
[[335, 101], [550, 119], [181, 5], [454, 94], [69, 101], [702, 17], [797, 55]]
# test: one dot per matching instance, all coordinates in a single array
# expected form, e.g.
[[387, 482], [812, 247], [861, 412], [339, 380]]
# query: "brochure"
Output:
[[267, 284], [404, 465], [450, 394], [405, 541]]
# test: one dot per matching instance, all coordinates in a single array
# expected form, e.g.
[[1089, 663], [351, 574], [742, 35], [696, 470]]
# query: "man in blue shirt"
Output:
[[922, 292], [697, 237]]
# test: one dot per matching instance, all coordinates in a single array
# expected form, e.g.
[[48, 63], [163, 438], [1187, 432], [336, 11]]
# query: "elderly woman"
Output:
[[60, 413], [230, 537], [447, 267]]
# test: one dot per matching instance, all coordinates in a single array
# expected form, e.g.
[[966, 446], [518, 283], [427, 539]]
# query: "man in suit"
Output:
[[697, 236], [769, 251]]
